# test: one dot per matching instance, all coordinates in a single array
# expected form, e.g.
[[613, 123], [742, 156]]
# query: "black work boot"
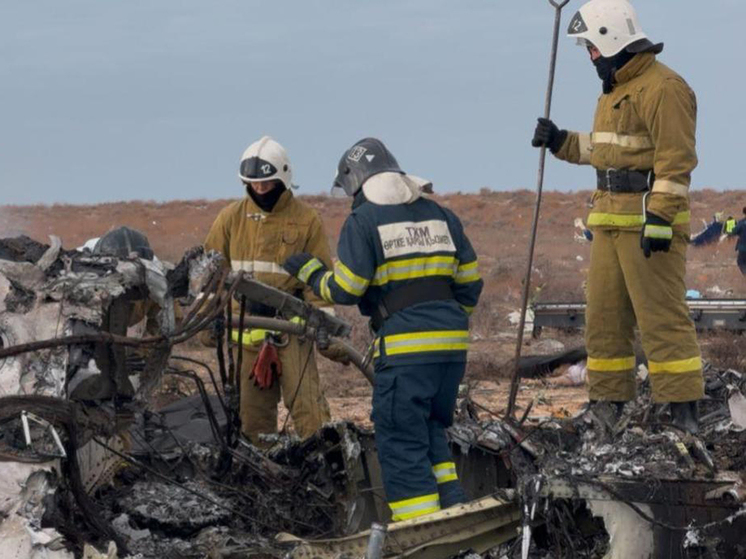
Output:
[[685, 416]]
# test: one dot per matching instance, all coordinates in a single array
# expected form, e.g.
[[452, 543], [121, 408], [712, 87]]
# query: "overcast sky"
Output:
[[144, 99]]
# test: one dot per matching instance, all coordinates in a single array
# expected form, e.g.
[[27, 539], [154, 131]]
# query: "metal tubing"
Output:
[[357, 358], [515, 381]]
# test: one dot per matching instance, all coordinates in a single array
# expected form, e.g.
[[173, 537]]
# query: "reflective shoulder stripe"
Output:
[[258, 266], [309, 268], [599, 219], [418, 342], [692, 364], [617, 364], [445, 472], [670, 187], [413, 268], [417, 506], [324, 290], [622, 140], [468, 272], [348, 280], [586, 147], [658, 231]]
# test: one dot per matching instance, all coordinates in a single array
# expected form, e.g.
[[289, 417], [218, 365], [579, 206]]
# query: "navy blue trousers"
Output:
[[412, 407]]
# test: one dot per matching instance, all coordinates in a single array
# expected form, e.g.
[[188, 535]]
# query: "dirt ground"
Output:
[[498, 224]]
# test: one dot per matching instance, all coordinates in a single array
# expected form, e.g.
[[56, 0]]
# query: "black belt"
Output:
[[624, 180], [420, 291]]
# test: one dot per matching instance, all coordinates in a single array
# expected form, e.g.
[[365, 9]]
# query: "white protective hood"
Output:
[[387, 189]]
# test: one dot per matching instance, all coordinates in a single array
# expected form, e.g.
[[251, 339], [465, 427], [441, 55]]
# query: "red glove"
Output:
[[266, 366]]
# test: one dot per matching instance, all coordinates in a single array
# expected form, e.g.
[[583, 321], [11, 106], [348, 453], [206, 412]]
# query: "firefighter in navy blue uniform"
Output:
[[407, 264]]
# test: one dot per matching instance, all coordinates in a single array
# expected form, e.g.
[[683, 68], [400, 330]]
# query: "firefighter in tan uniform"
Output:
[[256, 235], [643, 149]]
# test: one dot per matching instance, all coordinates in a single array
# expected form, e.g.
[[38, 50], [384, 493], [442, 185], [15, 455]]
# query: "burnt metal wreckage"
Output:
[[92, 467]]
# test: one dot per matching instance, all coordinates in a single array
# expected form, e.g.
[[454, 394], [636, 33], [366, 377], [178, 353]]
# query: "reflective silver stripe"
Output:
[[658, 231], [427, 341], [347, 280], [422, 265], [670, 187], [258, 266], [445, 472], [432, 502], [621, 140], [586, 147]]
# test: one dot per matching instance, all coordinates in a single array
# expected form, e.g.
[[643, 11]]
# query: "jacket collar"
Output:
[[635, 67]]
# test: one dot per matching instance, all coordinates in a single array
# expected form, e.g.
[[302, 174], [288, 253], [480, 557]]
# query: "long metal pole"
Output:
[[516, 380]]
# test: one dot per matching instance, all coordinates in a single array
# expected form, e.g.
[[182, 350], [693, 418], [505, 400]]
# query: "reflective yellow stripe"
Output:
[[377, 347], [440, 340], [683, 366], [251, 337], [309, 268], [412, 268], [445, 472], [468, 272], [622, 140], [412, 508], [258, 267], [599, 219], [658, 231], [617, 364], [585, 147], [467, 310], [325, 293], [349, 281], [730, 225], [670, 187]]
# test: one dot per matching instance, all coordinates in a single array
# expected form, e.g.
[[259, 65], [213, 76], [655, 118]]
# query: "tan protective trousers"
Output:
[[301, 393], [624, 289]]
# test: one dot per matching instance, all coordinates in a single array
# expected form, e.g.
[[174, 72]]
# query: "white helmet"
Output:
[[266, 160], [610, 26]]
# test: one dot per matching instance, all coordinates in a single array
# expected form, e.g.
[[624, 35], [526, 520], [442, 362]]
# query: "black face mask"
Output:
[[266, 201], [608, 67]]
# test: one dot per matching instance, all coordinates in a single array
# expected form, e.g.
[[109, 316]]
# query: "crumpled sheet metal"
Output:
[[33, 373], [22, 489], [479, 525]]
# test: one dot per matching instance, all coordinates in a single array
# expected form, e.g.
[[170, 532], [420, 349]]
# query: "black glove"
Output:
[[656, 235], [304, 266], [547, 134]]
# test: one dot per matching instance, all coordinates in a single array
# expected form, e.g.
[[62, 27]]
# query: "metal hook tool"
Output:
[[515, 381]]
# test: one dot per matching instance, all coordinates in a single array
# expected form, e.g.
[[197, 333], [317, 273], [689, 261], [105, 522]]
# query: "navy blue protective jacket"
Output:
[[383, 247], [740, 230]]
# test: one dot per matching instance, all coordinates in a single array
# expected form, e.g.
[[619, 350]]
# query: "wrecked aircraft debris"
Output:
[[101, 473], [707, 314]]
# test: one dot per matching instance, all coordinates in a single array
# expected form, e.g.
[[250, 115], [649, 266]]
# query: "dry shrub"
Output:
[[725, 350]]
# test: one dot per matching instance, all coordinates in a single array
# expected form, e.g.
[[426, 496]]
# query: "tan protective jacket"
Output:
[[259, 242], [647, 122]]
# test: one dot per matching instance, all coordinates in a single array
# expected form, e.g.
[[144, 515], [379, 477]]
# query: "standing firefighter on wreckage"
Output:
[[643, 149], [406, 262], [257, 234]]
